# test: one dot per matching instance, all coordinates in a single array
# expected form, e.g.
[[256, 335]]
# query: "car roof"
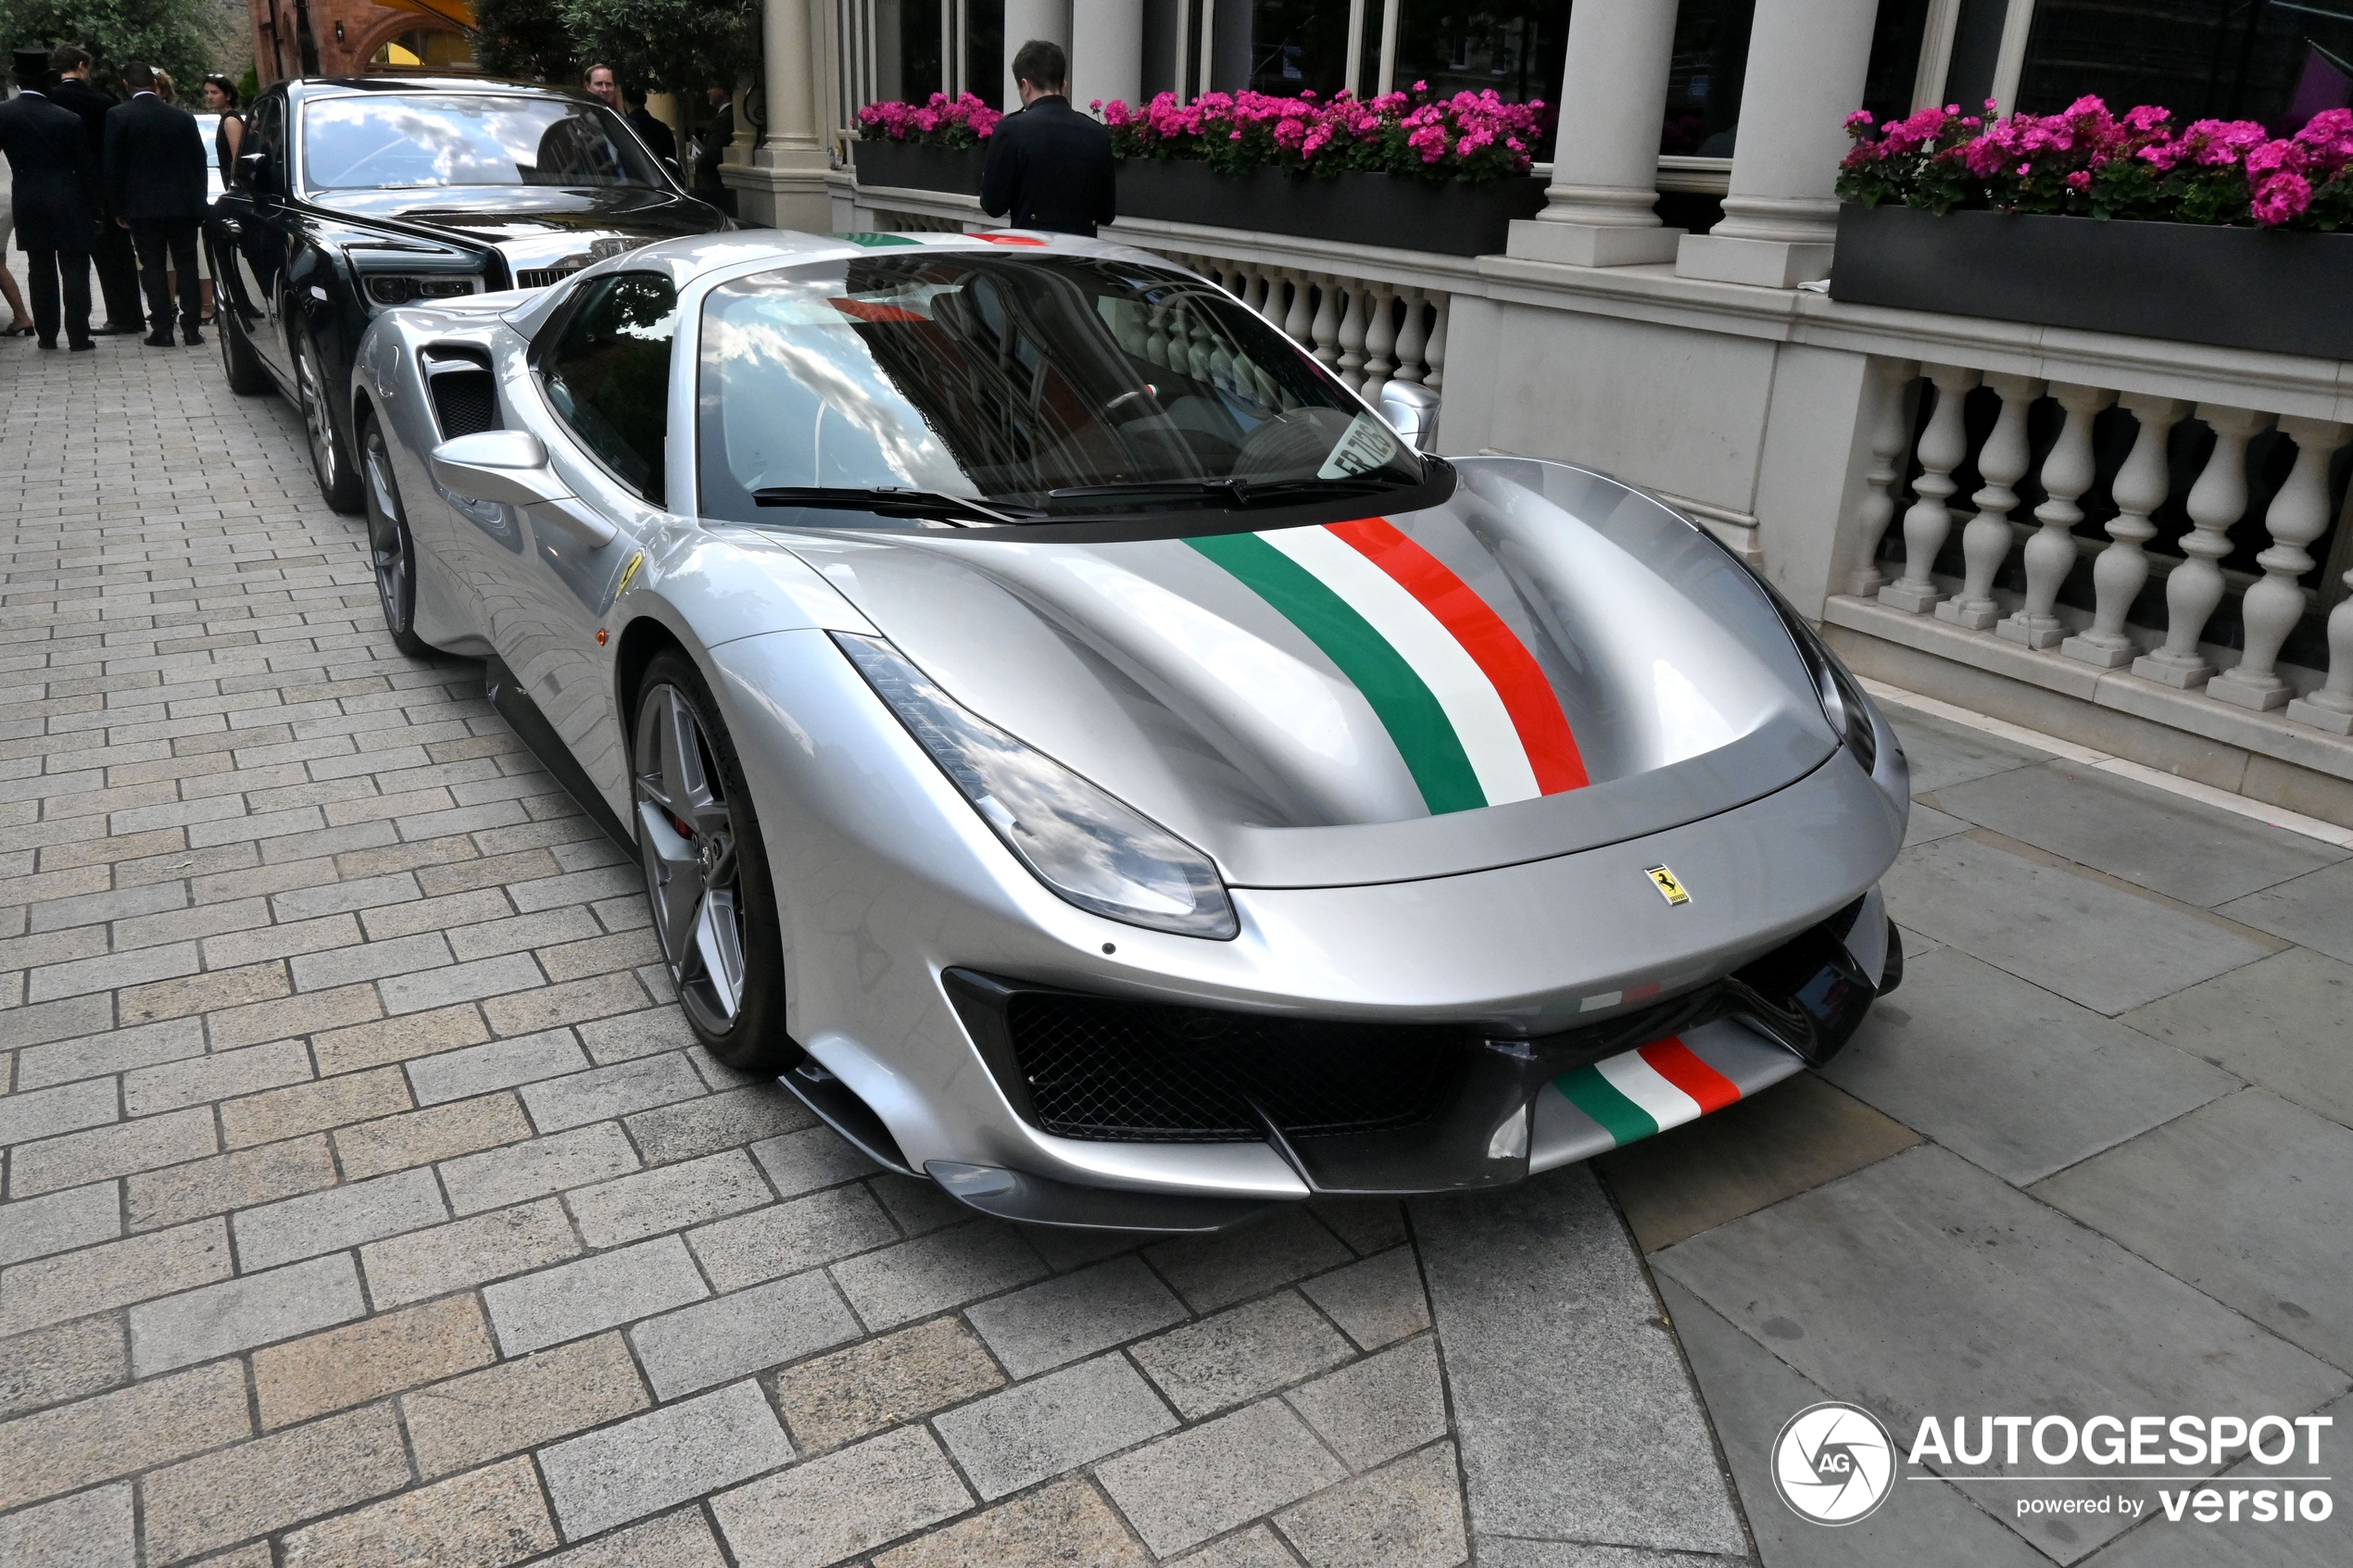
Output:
[[323, 86]]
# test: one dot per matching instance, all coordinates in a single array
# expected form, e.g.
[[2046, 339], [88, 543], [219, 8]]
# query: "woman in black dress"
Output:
[[220, 98]]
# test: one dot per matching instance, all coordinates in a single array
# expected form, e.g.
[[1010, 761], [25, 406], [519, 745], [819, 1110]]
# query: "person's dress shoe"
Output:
[[84, 346], [190, 336], [110, 329], [161, 339], [50, 345]]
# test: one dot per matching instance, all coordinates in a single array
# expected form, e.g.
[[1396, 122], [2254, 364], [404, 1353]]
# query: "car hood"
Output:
[[1210, 683], [536, 226]]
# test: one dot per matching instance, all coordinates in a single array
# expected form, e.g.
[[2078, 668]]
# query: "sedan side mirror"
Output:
[[253, 170], [510, 466], [1411, 409]]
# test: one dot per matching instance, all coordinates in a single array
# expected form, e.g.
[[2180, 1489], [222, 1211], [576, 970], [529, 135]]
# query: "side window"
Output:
[[607, 373], [267, 133]]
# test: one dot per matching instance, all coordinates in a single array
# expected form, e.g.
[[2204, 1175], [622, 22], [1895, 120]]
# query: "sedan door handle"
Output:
[[231, 228]]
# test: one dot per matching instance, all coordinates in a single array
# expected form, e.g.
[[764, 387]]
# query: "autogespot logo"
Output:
[[1834, 1463]]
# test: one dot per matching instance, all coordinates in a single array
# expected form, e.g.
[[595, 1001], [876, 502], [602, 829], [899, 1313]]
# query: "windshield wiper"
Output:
[[1231, 493], [890, 500]]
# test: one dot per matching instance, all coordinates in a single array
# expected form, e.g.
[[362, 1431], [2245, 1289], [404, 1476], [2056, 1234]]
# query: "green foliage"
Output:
[[527, 40], [676, 45], [248, 85], [169, 33]]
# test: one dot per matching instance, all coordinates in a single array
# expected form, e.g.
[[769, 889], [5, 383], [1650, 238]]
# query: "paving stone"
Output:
[[440, 1132], [1066, 1524], [1381, 1407], [841, 1504], [314, 1108], [1241, 1353], [203, 993], [196, 1080], [1258, 1547], [114, 1274], [604, 1092], [1367, 1225], [705, 1127], [1216, 1271], [368, 1360], [386, 1040], [1408, 1514], [501, 1064], [96, 1529], [258, 1488], [1074, 1315], [121, 1433], [305, 1014], [667, 1197], [67, 1361], [547, 1007], [59, 1222], [1375, 1302], [78, 1158], [1049, 1424], [497, 1177], [804, 1233], [2280, 1022], [2314, 910], [934, 1272], [1926, 825], [1204, 1481], [118, 1051], [1574, 1415], [2010, 1076], [460, 983], [1942, 754], [631, 1035], [520, 1404], [55, 1021], [236, 1315], [662, 1458], [812, 1157], [676, 1540], [66, 1108], [456, 1256], [338, 1218], [485, 1519], [261, 940], [748, 1331], [880, 1381], [580, 1297], [917, 1203]]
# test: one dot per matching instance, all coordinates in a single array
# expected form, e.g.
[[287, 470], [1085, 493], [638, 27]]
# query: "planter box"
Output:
[[912, 166], [2187, 283], [1454, 217]]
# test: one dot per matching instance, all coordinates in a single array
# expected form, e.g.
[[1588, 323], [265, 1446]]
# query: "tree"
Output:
[[679, 46], [173, 34], [526, 39]]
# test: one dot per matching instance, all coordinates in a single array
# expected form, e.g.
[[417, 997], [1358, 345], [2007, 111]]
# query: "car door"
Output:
[[253, 230], [601, 372]]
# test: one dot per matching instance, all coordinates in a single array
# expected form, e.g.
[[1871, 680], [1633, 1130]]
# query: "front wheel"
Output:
[[392, 552], [338, 482], [247, 377], [714, 907]]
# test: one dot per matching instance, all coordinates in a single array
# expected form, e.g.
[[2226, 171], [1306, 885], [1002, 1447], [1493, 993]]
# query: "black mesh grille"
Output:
[[541, 276], [1119, 1071], [464, 402]]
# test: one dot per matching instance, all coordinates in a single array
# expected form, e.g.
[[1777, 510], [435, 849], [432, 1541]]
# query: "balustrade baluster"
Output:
[[1326, 331], [1351, 337], [1254, 292], [1435, 354], [1942, 448], [1299, 321], [2067, 471], [2194, 588], [2330, 707], [2120, 570], [1986, 537], [1890, 428], [1413, 337], [1380, 341], [2275, 602]]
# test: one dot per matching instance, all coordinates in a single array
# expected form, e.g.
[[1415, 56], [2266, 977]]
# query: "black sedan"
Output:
[[356, 195]]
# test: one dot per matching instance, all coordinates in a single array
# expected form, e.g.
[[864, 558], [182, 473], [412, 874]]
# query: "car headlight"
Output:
[[410, 288], [1843, 701], [1088, 847]]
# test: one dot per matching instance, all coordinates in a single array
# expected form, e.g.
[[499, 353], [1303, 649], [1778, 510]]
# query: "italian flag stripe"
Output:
[[1647, 1090], [1462, 698]]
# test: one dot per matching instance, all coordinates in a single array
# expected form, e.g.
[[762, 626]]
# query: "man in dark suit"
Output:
[[655, 134], [1049, 166], [156, 188], [117, 272], [56, 211]]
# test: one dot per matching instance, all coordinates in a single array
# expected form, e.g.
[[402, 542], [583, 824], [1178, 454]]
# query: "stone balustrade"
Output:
[[1367, 331]]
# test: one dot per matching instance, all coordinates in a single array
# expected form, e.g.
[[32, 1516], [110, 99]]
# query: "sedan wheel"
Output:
[[706, 875], [391, 550], [336, 482]]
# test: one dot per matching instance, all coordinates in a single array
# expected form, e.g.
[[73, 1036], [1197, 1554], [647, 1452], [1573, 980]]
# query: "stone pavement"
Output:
[[367, 1203]]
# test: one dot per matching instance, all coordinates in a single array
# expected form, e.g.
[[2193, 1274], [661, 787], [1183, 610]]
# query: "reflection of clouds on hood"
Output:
[[831, 363]]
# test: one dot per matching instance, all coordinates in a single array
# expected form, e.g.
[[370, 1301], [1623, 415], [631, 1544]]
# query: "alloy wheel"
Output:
[[315, 416], [688, 841], [387, 543]]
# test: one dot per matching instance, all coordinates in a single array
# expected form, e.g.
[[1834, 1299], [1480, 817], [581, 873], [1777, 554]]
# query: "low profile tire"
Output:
[[247, 376], [392, 553], [706, 869], [338, 475]]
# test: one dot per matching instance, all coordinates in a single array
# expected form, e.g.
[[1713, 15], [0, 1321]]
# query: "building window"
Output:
[[422, 50], [1704, 77], [1285, 47], [2259, 59], [984, 30], [1516, 47], [1897, 38], [906, 50]]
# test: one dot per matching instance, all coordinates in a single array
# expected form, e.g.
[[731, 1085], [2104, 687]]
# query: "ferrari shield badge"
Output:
[[1668, 888]]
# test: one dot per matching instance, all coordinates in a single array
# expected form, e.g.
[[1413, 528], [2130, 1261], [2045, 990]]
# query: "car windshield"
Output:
[[387, 141], [1067, 386]]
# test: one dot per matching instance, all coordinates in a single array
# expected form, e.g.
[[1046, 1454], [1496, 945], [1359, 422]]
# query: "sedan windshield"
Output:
[[383, 141], [1042, 385]]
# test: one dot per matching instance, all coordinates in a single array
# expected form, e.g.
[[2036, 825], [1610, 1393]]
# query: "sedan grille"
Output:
[[1104, 1070], [544, 277]]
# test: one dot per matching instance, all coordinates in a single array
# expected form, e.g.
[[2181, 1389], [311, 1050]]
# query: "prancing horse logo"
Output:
[[1669, 888]]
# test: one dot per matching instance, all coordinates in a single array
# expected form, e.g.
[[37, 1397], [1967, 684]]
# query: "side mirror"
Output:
[[510, 466], [253, 170], [1411, 409], [675, 172]]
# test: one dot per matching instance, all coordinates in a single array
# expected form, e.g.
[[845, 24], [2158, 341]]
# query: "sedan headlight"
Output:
[[386, 289], [1079, 841]]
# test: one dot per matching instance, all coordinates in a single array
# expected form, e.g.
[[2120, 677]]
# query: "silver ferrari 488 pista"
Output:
[[1097, 761]]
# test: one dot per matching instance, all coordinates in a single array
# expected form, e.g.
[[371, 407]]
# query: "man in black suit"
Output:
[[156, 188], [117, 272], [1049, 166], [655, 134], [56, 211]]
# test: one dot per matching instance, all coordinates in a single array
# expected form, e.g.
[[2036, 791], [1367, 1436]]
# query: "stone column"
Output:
[[1613, 100], [1026, 19], [1106, 50], [785, 183], [1807, 60]]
